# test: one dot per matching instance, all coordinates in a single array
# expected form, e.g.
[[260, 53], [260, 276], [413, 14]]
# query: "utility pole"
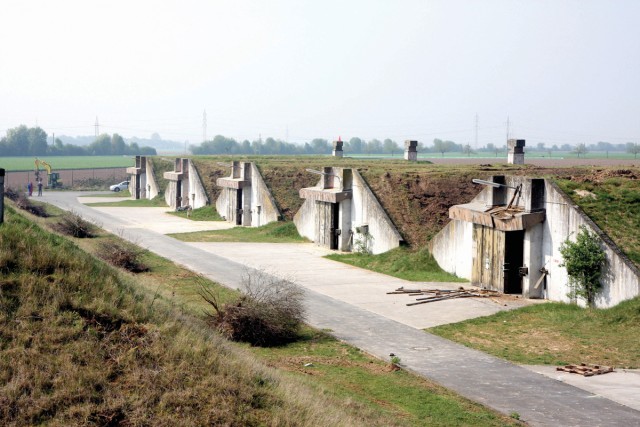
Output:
[[97, 126], [476, 144], [204, 126], [287, 138], [507, 128]]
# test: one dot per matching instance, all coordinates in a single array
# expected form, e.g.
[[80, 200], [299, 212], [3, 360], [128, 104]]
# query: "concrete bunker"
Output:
[[342, 213], [508, 239], [245, 199], [185, 187], [142, 183]]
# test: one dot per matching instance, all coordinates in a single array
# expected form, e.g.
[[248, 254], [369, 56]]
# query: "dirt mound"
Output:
[[601, 175]]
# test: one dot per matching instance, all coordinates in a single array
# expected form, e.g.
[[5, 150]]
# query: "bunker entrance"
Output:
[[328, 225], [513, 260], [179, 193], [239, 206]]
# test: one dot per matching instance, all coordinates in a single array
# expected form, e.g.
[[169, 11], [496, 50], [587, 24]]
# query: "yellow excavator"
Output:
[[53, 177]]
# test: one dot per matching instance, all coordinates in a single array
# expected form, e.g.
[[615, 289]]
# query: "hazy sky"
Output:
[[562, 71]]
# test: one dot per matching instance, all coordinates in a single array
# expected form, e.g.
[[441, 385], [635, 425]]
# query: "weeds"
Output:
[[72, 224], [122, 255], [268, 314], [23, 202]]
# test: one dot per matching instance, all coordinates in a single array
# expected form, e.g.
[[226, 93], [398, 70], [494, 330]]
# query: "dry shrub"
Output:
[[122, 255], [11, 193], [72, 224], [268, 314], [23, 202]]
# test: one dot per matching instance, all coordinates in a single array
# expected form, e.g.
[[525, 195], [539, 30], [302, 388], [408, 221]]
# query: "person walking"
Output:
[[30, 188], [39, 187]]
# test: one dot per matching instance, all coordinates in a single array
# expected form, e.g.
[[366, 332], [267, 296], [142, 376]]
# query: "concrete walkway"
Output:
[[493, 382]]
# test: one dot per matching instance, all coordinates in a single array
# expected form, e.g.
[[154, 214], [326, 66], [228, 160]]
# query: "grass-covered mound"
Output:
[[78, 345]]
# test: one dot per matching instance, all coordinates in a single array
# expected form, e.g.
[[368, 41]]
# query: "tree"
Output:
[[468, 150], [355, 145], [118, 146], [374, 146], [580, 149], [390, 146], [584, 260], [633, 149], [442, 146]]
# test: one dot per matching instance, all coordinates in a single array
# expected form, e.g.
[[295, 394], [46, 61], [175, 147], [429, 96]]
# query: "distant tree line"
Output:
[[24, 141], [223, 145]]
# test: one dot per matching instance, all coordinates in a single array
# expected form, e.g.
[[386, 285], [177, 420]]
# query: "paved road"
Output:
[[493, 382]]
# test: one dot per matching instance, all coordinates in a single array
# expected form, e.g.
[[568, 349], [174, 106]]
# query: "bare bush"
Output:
[[23, 202], [11, 193], [122, 255], [72, 224], [268, 314]]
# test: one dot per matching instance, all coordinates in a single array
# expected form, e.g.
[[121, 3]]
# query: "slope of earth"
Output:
[[611, 198]]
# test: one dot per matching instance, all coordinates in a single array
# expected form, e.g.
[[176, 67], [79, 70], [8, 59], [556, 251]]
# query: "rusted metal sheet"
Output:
[[497, 217]]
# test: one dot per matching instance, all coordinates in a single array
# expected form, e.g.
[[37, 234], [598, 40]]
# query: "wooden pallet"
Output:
[[585, 369]]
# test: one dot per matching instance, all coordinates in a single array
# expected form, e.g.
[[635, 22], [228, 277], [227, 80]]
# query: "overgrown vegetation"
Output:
[[122, 255], [584, 260], [81, 344], [419, 266], [274, 232], [555, 334], [23, 202], [72, 224], [612, 200], [269, 312]]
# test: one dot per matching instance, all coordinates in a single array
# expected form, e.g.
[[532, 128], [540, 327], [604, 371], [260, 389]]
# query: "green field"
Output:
[[67, 162]]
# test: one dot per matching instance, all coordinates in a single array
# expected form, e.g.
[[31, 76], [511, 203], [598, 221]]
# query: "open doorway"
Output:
[[513, 260], [239, 206]]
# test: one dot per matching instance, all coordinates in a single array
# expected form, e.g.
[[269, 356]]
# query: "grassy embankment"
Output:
[[82, 343], [274, 232]]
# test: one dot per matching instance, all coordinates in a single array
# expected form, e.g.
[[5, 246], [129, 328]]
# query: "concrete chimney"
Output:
[[411, 151], [337, 148], [516, 151]]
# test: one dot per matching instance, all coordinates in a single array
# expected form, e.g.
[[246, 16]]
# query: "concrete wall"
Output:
[[362, 209], [196, 191], [263, 206], [152, 186], [366, 209], [258, 204], [453, 248]]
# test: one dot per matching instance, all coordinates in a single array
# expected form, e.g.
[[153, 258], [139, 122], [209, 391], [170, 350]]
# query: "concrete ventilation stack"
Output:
[[516, 151], [337, 148], [1, 195], [411, 151]]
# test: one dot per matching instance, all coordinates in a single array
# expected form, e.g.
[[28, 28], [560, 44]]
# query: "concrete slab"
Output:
[[303, 263], [621, 385], [158, 220]]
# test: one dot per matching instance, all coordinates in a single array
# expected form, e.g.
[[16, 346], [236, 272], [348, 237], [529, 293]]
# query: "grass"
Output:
[[205, 213], [418, 266], [615, 208], [157, 202], [83, 343], [69, 162], [274, 232], [351, 374], [123, 193], [555, 334]]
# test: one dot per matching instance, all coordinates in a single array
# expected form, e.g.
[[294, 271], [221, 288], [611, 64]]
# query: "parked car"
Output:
[[124, 185]]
